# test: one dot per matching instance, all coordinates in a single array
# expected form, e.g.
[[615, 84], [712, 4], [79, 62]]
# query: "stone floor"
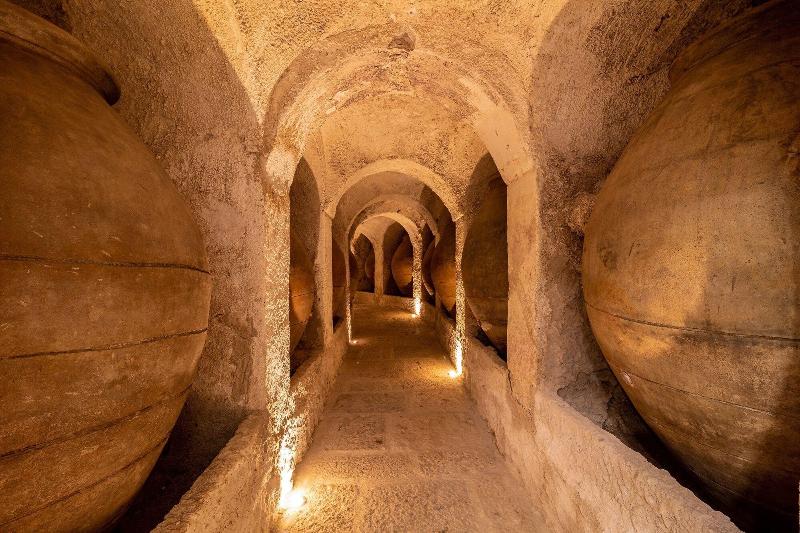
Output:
[[401, 446]]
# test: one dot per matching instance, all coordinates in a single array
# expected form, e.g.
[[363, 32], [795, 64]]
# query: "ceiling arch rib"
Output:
[[401, 206], [358, 65], [410, 169], [407, 224]]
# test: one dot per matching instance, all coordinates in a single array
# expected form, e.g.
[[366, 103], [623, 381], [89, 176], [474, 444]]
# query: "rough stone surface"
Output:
[[583, 478], [311, 387], [382, 98], [236, 492], [397, 453]]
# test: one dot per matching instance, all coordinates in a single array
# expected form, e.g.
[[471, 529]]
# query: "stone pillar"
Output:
[[269, 389], [524, 346], [320, 328], [416, 271], [348, 305], [380, 271], [461, 301]]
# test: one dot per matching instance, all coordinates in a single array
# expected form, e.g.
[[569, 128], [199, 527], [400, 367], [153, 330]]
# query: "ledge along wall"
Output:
[[582, 477], [209, 137]]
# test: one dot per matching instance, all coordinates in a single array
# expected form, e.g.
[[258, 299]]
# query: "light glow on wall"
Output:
[[458, 358], [349, 319], [461, 304], [416, 273], [294, 500], [290, 498]]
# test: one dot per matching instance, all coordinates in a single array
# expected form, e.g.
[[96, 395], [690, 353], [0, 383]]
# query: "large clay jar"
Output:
[[301, 291], [443, 268], [484, 265], [104, 289], [427, 279], [360, 279], [338, 277], [403, 266], [691, 263]]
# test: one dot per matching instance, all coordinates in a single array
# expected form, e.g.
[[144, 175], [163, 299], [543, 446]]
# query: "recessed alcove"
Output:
[[328, 265]]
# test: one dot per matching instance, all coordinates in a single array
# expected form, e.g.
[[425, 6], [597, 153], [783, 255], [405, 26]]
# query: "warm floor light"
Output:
[[293, 500], [453, 374]]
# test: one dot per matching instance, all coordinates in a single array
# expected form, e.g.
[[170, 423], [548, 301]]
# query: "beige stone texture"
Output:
[[414, 456], [233, 493], [391, 115]]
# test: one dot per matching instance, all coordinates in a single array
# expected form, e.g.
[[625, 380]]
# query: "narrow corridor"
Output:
[[401, 446]]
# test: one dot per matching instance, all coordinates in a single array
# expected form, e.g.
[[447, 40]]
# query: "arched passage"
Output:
[[238, 99], [461, 93], [386, 237]]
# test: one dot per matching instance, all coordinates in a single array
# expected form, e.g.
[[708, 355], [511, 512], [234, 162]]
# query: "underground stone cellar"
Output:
[[519, 265]]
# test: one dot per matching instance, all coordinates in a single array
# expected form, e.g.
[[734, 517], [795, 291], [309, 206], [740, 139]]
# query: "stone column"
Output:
[[461, 301], [270, 376], [416, 271], [524, 346], [320, 329], [380, 271]]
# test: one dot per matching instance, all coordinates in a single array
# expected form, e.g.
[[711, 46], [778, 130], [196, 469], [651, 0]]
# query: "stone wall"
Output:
[[580, 476], [310, 388], [238, 491], [229, 96]]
